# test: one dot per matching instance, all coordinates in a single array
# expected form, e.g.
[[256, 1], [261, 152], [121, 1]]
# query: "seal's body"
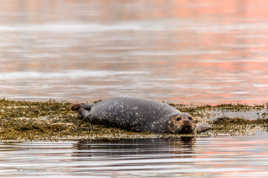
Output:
[[138, 115]]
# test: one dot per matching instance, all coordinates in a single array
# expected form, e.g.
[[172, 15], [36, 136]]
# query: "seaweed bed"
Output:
[[51, 120]]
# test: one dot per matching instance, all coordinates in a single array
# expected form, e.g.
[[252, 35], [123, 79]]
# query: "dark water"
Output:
[[201, 51], [201, 157]]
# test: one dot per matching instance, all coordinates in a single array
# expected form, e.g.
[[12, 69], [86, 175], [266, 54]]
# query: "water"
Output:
[[200, 157], [192, 52]]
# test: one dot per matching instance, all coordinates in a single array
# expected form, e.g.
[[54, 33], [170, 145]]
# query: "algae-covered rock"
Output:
[[51, 120]]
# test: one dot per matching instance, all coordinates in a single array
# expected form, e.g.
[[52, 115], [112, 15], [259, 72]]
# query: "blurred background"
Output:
[[181, 51]]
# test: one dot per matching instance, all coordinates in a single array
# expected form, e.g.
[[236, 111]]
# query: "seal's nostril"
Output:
[[186, 122], [178, 119]]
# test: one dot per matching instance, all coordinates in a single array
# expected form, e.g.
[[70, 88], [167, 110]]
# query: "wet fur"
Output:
[[137, 115]]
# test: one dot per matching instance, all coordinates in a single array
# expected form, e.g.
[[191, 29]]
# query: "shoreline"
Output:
[[53, 120]]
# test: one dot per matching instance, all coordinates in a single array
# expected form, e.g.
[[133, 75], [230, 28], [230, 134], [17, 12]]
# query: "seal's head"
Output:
[[181, 124]]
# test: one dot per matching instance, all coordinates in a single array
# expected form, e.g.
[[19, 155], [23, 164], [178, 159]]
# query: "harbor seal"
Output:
[[139, 115]]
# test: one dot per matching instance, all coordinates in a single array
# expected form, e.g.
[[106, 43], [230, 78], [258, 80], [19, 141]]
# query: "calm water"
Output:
[[201, 157], [201, 51], [198, 52]]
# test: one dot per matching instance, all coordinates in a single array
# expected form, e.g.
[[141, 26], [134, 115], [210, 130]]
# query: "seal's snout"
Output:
[[75, 107], [186, 122]]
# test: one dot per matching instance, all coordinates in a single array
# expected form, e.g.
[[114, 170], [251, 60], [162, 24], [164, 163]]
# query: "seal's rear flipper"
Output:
[[82, 109], [76, 107], [86, 106]]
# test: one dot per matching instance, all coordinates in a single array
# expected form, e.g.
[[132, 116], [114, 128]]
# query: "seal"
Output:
[[139, 115]]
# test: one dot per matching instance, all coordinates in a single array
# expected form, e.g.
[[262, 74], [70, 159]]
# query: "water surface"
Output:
[[199, 52], [200, 157], [193, 52]]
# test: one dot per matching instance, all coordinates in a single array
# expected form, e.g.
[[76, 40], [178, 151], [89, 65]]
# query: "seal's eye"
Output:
[[190, 118], [178, 119]]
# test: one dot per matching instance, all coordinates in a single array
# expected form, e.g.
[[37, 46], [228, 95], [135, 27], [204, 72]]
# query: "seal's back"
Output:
[[132, 113]]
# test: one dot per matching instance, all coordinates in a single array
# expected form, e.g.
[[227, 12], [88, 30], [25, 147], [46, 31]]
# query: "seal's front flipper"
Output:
[[202, 127]]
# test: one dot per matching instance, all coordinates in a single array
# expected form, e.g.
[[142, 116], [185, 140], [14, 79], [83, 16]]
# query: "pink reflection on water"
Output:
[[244, 155], [201, 52]]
